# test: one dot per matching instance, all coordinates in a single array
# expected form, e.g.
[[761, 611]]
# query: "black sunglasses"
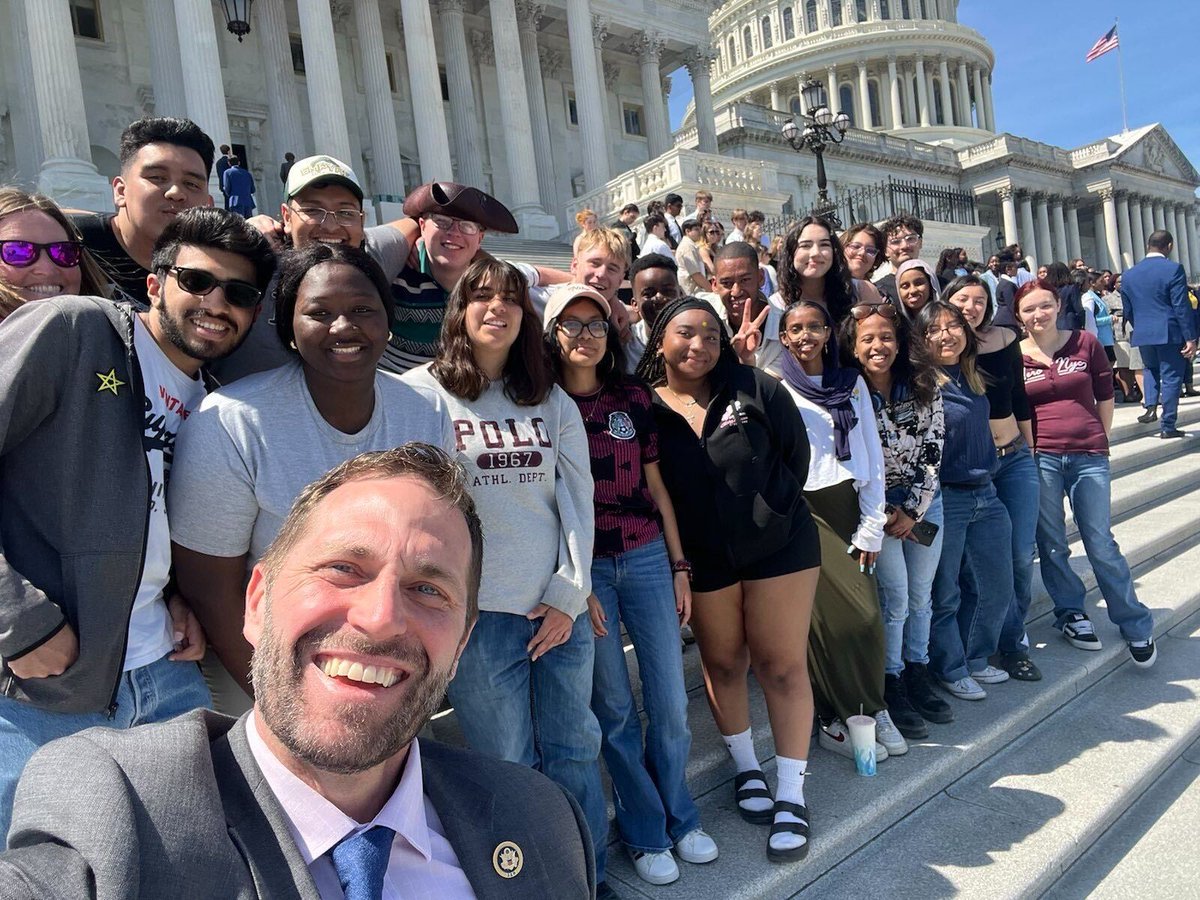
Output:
[[241, 294], [22, 254]]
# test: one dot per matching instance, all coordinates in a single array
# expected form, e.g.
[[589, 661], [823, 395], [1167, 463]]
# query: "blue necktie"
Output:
[[360, 862]]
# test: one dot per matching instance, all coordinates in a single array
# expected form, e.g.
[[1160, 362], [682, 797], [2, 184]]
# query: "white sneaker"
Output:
[[696, 847], [836, 737], [965, 689], [655, 868], [889, 735], [990, 675]]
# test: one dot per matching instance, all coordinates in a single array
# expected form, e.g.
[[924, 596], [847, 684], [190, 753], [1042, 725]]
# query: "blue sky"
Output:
[[1043, 89]]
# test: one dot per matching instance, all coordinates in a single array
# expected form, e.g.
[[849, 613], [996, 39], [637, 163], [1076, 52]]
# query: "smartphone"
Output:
[[924, 533]]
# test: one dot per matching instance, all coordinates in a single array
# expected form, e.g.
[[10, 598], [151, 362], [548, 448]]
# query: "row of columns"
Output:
[[1121, 223]]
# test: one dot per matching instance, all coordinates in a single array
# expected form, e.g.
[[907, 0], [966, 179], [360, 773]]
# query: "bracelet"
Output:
[[681, 565]]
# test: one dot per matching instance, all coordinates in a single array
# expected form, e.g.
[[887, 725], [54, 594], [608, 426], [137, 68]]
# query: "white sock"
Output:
[[790, 773], [741, 748]]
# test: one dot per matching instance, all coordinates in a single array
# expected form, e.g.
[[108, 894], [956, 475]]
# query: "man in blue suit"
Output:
[[238, 185], [1154, 293]]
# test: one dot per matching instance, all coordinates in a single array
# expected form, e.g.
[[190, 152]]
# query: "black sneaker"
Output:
[[904, 715], [1150, 415], [1144, 653], [918, 688], [1079, 632]]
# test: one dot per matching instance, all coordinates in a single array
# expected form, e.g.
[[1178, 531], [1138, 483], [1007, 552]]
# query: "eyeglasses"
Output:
[[866, 310], [446, 223], [953, 330], [22, 254], [573, 328], [908, 240], [317, 214], [856, 247], [811, 330], [241, 294]]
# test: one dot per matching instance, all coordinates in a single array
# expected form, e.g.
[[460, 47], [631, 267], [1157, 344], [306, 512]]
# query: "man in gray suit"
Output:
[[358, 614]]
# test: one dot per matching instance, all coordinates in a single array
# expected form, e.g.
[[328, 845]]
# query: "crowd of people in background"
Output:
[[829, 457]]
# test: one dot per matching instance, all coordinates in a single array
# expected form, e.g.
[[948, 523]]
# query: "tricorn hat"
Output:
[[461, 202]]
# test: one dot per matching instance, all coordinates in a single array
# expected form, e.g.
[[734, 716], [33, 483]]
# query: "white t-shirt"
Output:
[[171, 397], [654, 244]]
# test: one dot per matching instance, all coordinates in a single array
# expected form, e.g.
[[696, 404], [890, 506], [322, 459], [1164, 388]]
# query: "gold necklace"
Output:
[[686, 404]]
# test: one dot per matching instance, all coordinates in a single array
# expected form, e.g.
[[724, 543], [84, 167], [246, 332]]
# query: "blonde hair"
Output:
[[582, 216], [607, 238]]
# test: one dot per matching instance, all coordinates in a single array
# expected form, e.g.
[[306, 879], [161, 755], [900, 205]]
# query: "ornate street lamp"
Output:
[[821, 127], [237, 16]]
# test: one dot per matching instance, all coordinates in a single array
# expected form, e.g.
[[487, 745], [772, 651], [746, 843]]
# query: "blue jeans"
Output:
[[1083, 478], [1163, 368], [650, 792], [1017, 487], [904, 574], [965, 630], [536, 714], [153, 693]]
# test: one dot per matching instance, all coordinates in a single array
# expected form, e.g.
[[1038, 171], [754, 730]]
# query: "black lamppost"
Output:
[[237, 16], [821, 128]]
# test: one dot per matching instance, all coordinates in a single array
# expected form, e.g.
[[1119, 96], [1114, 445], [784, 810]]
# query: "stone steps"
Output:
[[555, 254]]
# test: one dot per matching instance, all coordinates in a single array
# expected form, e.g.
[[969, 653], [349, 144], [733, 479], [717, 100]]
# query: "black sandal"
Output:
[[741, 793], [1020, 667], [801, 828]]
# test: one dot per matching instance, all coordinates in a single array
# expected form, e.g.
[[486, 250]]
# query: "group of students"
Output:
[[818, 480]]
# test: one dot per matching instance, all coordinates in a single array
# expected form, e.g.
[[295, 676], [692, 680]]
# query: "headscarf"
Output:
[[835, 390], [935, 289]]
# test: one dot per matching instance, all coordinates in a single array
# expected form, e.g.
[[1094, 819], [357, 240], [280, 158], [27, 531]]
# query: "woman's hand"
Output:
[[556, 628], [596, 612], [900, 525], [866, 559], [683, 597]]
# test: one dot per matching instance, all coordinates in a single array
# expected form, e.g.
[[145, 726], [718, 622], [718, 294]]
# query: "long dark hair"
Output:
[[526, 375], [839, 287], [912, 367], [966, 361], [610, 371], [948, 259], [652, 368], [965, 281]]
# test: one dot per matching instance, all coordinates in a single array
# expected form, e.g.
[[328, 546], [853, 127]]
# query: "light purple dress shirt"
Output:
[[422, 866]]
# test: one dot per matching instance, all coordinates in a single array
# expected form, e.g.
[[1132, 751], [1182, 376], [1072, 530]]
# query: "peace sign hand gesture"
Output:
[[749, 336]]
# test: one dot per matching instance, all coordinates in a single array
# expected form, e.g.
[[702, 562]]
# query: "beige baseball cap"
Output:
[[566, 294], [319, 170]]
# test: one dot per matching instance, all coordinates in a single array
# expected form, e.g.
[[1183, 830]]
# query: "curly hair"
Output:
[[527, 378], [652, 368], [838, 288], [912, 367]]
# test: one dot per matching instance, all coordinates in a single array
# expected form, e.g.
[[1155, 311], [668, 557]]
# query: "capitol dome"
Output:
[[891, 65]]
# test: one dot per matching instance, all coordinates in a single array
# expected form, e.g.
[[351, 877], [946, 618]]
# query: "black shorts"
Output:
[[713, 571], [1110, 353]]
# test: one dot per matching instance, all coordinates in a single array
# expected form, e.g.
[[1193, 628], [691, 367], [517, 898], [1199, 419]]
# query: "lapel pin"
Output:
[[507, 859]]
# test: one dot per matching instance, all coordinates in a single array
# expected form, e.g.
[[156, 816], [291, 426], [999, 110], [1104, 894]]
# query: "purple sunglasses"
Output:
[[21, 254]]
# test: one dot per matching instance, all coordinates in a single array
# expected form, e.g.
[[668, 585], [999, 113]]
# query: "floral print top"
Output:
[[912, 434]]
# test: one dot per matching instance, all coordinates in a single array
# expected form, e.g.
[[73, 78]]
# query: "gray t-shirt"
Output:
[[262, 350], [243, 457]]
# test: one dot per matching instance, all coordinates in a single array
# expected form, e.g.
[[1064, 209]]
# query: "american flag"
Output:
[[1102, 46]]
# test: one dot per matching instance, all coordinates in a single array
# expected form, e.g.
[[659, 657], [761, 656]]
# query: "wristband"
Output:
[[682, 565]]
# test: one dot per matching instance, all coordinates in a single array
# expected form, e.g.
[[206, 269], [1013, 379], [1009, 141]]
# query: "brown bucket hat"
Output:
[[462, 202]]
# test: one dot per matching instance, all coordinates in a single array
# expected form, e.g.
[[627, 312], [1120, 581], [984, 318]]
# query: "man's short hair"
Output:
[[689, 224], [225, 148], [738, 213], [703, 195], [424, 461], [903, 221], [1160, 241], [672, 199], [630, 207], [652, 261], [290, 157], [214, 229], [756, 215], [736, 250], [295, 264], [165, 130], [234, 161], [653, 221], [610, 239]]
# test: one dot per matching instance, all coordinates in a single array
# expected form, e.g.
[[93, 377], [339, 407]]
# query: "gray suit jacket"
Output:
[[181, 811]]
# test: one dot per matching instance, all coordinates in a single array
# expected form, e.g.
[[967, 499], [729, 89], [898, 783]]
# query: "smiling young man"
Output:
[[904, 237], [92, 394], [358, 613], [164, 170]]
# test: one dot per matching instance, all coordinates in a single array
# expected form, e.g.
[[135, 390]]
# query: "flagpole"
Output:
[[1121, 77]]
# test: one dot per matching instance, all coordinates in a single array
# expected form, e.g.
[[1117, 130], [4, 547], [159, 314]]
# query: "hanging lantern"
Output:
[[237, 16]]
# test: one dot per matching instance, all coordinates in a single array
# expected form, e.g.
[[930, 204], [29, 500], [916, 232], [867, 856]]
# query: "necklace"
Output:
[[592, 400], [686, 404]]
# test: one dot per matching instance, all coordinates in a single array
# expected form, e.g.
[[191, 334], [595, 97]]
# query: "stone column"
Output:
[[978, 84], [1009, 211], [1045, 242], [1181, 240], [699, 63], [777, 101], [524, 200], [1147, 220], [1028, 240], [964, 95], [600, 34], [1137, 236], [326, 108], [864, 98], [1160, 221], [894, 90], [944, 88], [1074, 245], [922, 92], [1111, 243], [649, 46], [831, 86], [1189, 215], [529, 14], [283, 104], [825, 16], [463, 119], [429, 121], [1124, 231], [988, 109], [589, 94], [166, 75], [203, 86], [1099, 261], [1062, 247], [388, 174], [910, 101]]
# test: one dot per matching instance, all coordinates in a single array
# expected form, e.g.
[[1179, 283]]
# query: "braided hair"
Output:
[[652, 367]]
